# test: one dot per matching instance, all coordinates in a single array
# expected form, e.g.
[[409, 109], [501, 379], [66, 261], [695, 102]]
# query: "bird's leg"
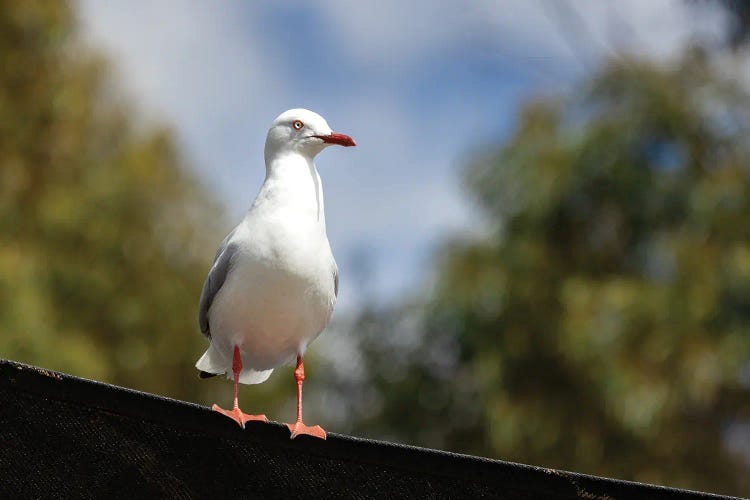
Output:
[[235, 413], [298, 427]]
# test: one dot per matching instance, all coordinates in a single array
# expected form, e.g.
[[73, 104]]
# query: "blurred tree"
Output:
[[604, 326], [738, 18], [106, 235]]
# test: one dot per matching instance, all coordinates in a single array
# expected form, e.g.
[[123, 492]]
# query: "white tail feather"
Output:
[[213, 361], [249, 376]]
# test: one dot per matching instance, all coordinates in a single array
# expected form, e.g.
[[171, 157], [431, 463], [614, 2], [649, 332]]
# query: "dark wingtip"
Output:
[[203, 374]]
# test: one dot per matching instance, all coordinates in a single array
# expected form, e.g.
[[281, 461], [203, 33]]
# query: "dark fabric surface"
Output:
[[65, 437]]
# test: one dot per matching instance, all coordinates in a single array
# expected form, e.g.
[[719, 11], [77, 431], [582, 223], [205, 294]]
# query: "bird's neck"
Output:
[[292, 183]]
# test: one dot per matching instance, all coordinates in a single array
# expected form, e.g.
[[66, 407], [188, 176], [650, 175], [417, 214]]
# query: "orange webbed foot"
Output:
[[238, 416], [298, 429]]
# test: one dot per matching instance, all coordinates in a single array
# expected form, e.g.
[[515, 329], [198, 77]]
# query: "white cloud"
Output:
[[391, 33], [190, 62]]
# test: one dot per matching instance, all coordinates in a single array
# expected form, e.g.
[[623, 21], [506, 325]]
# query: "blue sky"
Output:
[[419, 85]]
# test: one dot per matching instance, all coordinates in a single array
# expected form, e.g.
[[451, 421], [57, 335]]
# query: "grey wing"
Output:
[[223, 244], [214, 281], [336, 282]]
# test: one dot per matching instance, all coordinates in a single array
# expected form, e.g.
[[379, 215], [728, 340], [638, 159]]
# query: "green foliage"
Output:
[[604, 324], [106, 234]]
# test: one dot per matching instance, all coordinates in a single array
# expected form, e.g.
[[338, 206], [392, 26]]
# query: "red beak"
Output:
[[336, 138]]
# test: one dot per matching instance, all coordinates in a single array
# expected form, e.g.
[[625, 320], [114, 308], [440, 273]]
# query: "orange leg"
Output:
[[235, 413], [298, 427]]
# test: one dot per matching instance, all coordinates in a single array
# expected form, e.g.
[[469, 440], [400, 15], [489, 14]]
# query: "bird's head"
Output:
[[304, 132]]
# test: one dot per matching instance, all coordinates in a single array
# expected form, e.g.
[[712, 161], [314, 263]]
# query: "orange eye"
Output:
[[297, 125]]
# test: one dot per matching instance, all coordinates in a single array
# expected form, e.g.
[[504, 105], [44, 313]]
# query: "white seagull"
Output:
[[273, 283]]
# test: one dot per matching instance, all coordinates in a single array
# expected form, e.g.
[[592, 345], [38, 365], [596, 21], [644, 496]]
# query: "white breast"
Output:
[[279, 293]]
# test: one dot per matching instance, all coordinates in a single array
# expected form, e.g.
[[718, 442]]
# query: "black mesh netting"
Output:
[[64, 437]]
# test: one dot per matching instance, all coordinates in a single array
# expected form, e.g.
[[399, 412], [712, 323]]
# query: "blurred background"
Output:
[[543, 236]]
